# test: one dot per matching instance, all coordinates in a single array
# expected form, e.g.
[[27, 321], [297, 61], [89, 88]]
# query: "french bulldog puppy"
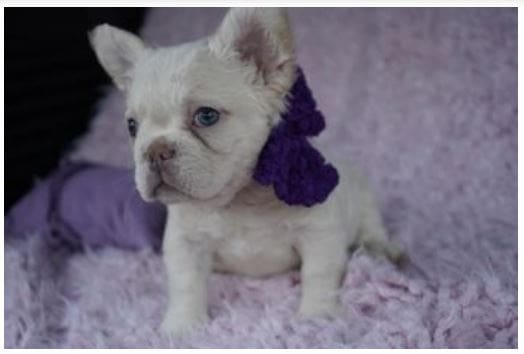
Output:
[[199, 115]]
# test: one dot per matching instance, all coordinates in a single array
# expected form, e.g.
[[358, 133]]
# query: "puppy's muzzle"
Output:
[[158, 153]]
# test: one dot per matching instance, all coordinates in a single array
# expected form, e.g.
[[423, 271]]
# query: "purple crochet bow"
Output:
[[298, 172]]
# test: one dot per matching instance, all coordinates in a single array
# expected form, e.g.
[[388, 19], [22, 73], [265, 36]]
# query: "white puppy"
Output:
[[199, 115]]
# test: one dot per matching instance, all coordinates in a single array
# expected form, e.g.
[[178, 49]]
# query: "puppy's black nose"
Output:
[[160, 151]]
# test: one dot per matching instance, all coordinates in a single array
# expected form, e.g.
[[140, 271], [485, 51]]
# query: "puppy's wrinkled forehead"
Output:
[[170, 81]]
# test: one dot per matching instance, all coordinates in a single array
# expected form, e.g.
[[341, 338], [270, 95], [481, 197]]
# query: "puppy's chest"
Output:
[[255, 245]]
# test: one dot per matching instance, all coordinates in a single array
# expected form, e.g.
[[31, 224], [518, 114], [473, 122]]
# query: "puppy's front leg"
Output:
[[188, 264], [323, 265]]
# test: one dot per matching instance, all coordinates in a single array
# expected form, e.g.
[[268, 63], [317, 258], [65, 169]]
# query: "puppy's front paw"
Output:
[[178, 325], [320, 309]]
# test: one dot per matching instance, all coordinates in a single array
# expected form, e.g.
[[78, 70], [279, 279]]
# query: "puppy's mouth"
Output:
[[166, 192], [163, 187]]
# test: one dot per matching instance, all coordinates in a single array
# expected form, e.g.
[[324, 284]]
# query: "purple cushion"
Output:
[[89, 205]]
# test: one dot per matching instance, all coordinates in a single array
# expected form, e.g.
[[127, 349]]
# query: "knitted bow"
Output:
[[298, 172]]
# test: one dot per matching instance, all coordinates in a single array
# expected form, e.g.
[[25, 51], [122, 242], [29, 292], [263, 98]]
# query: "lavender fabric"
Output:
[[84, 205], [424, 102], [297, 171]]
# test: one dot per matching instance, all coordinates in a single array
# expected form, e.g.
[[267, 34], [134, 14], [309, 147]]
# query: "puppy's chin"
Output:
[[167, 194]]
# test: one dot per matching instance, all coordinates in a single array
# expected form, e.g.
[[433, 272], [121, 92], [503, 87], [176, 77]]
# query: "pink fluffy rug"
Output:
[[424, 101]]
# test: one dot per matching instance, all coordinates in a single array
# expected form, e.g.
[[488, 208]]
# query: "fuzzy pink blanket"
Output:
[[424, 101]]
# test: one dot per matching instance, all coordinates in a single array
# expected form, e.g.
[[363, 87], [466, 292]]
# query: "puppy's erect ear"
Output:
[[117, 52], [260, 37]]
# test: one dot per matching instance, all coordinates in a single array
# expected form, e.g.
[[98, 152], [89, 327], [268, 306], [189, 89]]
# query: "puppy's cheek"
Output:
[[219, 180], [209, 180]]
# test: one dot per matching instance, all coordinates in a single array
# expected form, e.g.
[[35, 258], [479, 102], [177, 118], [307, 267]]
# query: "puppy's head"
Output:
[[198, 114]]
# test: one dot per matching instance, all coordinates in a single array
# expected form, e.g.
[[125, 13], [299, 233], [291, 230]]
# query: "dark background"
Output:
[[52, 80]]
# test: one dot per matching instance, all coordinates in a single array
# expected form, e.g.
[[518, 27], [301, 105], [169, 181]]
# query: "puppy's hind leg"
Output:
[[374, 238]]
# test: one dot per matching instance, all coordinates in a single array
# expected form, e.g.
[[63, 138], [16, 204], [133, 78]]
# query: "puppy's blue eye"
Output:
[[206, 116]]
